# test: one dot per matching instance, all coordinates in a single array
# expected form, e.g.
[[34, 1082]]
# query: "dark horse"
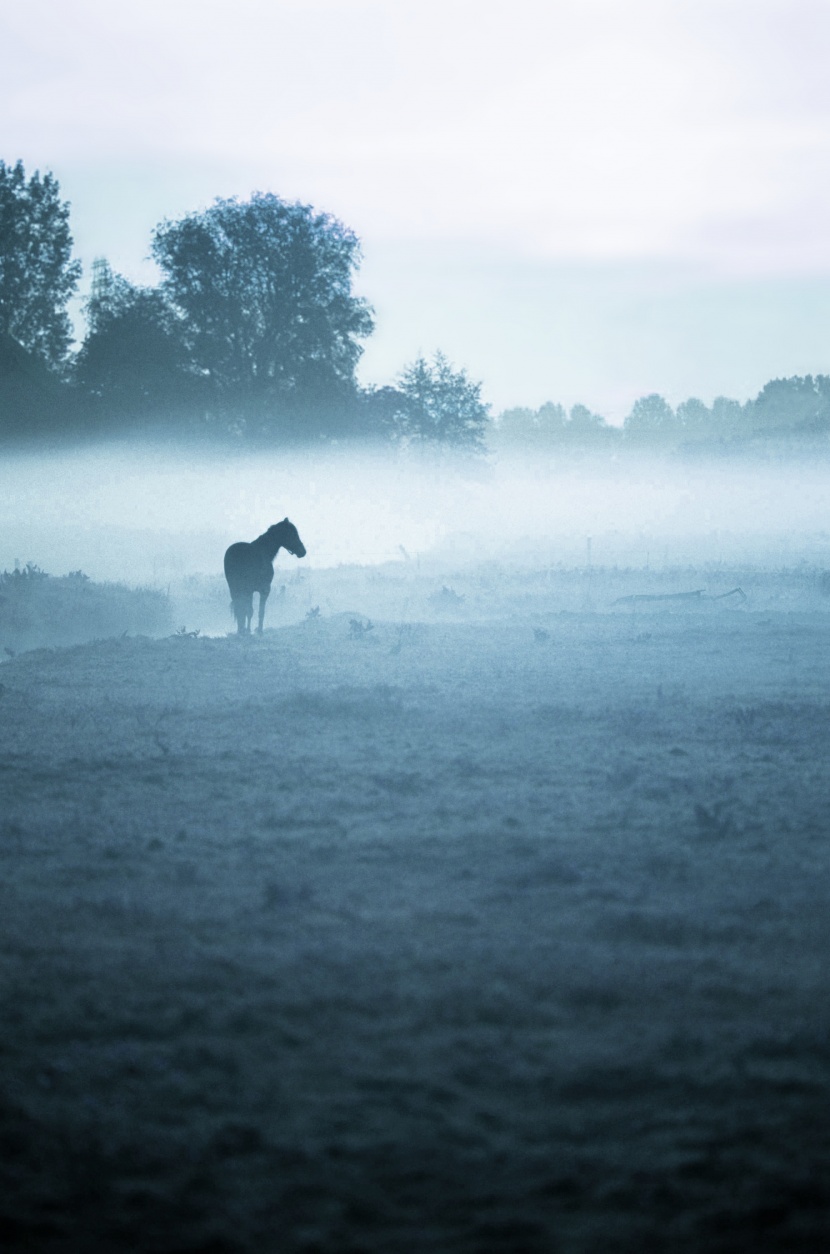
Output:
[[249, 568]]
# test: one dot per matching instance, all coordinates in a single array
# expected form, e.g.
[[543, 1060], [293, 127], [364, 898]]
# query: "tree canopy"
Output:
[[798, 404], [651, 418], [133, 362], [439, 405], [263, 289], [37, 273], [551, 427]]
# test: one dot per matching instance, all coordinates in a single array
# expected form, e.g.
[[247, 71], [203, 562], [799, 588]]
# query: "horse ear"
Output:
[[285, 520]]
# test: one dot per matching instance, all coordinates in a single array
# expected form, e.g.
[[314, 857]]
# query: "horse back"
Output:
[[247, 569]]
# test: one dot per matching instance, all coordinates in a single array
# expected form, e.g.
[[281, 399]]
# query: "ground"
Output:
[[499, 925]]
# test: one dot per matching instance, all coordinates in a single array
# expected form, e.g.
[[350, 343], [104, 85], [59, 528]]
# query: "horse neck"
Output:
[[270, 544]]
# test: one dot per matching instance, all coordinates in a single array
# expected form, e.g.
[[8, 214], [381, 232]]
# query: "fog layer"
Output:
[[151, 516]]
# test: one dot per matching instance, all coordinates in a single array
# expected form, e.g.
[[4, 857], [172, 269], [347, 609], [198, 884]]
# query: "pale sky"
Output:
[[575, 200]]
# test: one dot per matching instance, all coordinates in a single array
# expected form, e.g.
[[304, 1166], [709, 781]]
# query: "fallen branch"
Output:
[[660, 596], [699, 594], [739, 591]]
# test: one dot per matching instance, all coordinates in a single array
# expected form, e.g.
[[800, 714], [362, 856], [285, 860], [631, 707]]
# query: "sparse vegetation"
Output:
[[38, 609]]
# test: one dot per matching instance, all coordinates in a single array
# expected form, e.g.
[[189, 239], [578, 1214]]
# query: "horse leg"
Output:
[[243, 609], [263, 597]]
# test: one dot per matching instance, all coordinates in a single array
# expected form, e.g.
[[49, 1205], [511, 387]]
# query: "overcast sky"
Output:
[[574, 199]]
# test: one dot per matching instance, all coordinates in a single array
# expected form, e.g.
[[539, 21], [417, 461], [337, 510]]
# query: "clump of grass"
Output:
[[447, 599], [38, 610], [406, 635], [358, 629]]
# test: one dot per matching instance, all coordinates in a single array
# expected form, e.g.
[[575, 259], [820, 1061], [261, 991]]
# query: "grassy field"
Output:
[[498, 925]]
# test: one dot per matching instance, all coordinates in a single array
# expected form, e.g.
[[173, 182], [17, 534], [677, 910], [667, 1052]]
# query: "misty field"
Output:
[[497, 924]]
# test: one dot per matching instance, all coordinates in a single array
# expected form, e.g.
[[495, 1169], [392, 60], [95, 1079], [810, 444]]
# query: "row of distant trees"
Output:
[[254, 332], [785, 408]]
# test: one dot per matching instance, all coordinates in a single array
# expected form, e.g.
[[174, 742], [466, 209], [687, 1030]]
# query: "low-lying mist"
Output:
[[155, 515]]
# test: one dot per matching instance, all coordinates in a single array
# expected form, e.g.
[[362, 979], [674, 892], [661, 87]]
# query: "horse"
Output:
[[249, 568]]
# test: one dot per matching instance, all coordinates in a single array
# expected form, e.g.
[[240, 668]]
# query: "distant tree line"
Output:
[[254, 333], [784, 409]]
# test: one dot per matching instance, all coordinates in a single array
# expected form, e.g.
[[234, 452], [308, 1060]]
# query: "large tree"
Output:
[[799, 405], [37, 273], [264, 291]]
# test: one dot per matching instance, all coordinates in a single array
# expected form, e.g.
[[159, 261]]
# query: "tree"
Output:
[[440, 406], [37, 273], [800, 405], [380, 411], [264, 291], [588, 428], [550, 427], [729, 416], [532, 428], [694, 418], [32, 399], [652, 419], [133, 362]]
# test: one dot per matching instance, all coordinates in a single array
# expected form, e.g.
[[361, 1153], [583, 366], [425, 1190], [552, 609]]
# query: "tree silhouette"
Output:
[[37, 273], [651, 419], [264, 291], [532, 428], [133, 362], [797, 405], [440, 405], [694, 419]]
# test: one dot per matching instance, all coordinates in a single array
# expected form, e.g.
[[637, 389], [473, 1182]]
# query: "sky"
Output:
[[575, 200]]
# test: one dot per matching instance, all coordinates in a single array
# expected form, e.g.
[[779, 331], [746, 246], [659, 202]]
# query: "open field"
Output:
[[503, 925]]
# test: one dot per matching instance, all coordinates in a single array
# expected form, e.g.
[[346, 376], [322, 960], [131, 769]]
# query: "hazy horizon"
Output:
[[131, 512]]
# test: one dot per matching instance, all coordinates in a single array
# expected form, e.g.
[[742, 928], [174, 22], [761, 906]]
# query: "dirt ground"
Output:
[[501, 924]]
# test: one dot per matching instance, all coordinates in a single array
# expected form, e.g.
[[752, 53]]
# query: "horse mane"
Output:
[[273, 532]]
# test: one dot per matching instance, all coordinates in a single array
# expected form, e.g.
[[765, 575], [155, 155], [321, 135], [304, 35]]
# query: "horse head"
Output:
[[289, 538]]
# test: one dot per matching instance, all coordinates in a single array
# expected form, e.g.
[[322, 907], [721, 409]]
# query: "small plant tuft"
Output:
[[358, 629], [447, 599]]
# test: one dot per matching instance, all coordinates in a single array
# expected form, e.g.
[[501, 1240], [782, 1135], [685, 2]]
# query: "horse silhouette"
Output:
[[249, 568]]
